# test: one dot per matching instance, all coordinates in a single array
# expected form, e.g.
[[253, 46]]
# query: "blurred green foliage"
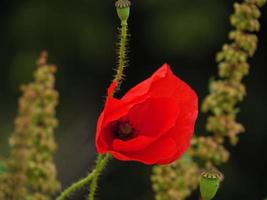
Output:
[[3, 168]]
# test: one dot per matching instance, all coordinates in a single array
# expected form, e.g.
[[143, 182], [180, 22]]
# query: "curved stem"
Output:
[[75, 186], [102, 161], [79, 184]]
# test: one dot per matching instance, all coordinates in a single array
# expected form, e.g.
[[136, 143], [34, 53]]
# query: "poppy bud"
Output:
[[123, 10], [209, 183]]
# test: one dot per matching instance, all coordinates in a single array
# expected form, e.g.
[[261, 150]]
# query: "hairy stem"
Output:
[[75, 186], [122, 52], [101, 163]]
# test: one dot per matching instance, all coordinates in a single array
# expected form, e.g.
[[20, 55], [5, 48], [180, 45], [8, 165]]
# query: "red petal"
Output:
[[154, 116], [160, 84], [149, 156]]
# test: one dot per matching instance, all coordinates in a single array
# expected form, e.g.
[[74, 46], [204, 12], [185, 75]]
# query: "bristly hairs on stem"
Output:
[[123, 11], [81, 183], [102, 161]]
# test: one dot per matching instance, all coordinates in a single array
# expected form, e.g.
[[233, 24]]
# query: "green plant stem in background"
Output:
[[100, 165]]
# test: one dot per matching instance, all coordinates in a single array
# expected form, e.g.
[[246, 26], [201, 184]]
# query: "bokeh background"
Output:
[[81, 38]]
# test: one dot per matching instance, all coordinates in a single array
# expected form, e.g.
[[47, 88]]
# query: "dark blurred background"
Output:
[[81, 37]]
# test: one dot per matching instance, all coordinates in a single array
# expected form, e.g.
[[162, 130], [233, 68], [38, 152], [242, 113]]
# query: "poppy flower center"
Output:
[[123, 130]]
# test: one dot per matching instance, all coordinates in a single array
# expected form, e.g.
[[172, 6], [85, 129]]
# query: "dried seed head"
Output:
[[123, 10], [122, 4], [209, 183]]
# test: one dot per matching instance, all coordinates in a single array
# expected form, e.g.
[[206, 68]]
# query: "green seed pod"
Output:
[[209, 183], [123, 10]]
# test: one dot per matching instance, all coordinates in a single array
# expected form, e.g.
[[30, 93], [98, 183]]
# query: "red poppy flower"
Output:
[[152, 123]]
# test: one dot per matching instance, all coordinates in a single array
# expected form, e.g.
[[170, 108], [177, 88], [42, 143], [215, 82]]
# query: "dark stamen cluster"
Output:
[[123, 130]]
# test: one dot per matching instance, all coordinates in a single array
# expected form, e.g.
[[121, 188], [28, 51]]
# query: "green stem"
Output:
[[102, 161], [75, 186], [79, 184], [122, 52]]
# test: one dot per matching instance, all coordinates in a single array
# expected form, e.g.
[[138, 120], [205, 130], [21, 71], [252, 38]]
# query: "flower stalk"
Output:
[[75, 186], [101, 163], [123, 11]]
